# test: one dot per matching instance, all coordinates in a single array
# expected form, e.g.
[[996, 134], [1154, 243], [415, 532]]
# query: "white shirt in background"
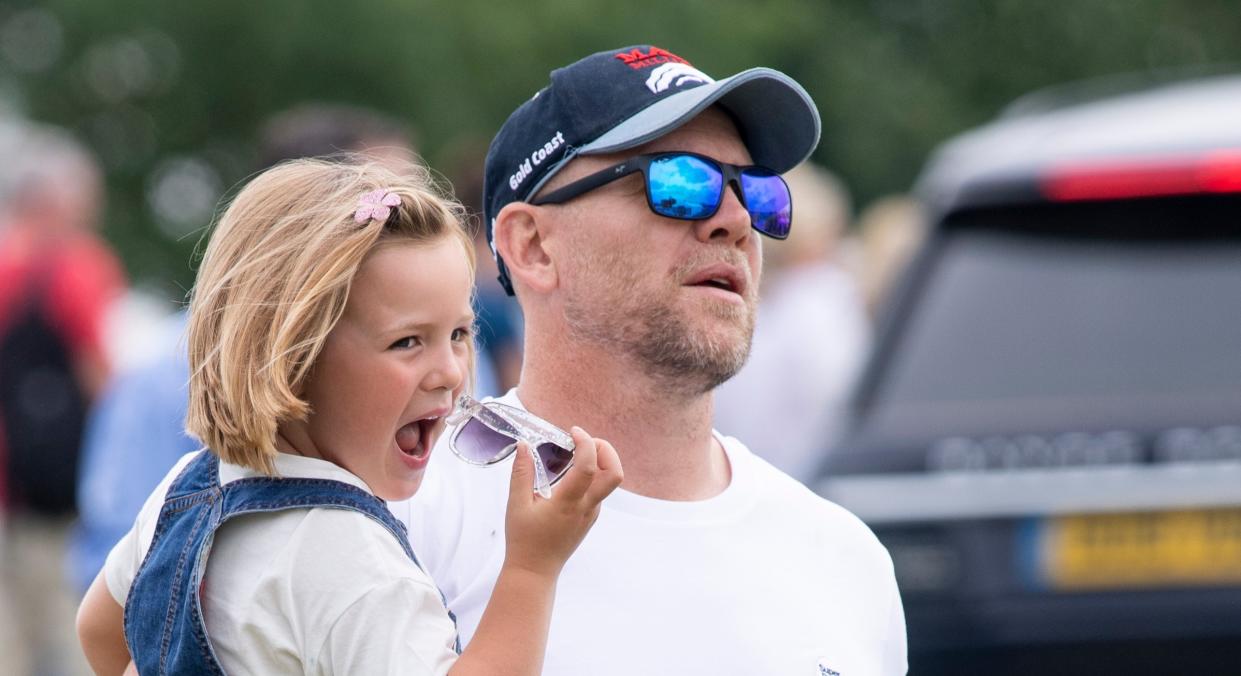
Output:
[[811, 338]]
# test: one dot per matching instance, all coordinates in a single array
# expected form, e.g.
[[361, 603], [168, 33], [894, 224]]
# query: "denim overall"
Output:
[[163, 614]]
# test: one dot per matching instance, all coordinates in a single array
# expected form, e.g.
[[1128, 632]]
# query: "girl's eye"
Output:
[[404, 343], [462, 334]]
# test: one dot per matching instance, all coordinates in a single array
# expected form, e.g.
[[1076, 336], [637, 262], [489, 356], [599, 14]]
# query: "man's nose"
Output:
[[731, 222]]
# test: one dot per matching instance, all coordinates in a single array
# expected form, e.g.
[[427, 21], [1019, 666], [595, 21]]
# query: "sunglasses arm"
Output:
[[542, 482], [585, 185]]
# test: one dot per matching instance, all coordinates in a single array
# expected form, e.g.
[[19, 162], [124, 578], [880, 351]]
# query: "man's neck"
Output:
[[663, 438]]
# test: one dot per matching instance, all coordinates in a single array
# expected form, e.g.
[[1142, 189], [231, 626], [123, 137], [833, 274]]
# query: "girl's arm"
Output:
[[539, 537], [101, 630]]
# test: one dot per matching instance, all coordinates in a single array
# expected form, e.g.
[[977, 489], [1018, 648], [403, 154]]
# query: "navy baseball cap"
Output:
[[623, 98]]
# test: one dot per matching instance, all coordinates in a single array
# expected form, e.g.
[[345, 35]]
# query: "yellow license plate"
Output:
[[1142, 550]]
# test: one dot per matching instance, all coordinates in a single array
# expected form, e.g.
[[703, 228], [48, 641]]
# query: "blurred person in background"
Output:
[[134, 434], [58, 281], [889, 233], [137, 432], [315, 129], [810, 339]]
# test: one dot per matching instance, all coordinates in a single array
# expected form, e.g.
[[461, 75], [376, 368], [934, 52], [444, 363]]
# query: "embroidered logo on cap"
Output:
[[675, 74], [825, 670], [637, 60]]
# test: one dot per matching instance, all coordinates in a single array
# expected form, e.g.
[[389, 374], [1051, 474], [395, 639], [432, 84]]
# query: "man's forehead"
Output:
[[711, 133]]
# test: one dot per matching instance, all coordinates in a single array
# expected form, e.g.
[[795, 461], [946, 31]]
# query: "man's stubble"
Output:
[[613, 307]]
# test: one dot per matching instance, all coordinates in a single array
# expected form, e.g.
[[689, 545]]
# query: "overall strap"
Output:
[[200, 474], [163, 612]]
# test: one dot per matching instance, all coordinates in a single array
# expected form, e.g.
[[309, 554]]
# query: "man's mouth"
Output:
[[719, 276], [719, 283]]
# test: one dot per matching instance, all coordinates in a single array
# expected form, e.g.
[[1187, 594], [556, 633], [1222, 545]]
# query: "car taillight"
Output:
[[1215, 172]]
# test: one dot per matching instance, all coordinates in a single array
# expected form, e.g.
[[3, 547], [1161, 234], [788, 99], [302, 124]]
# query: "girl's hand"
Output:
[[541, 533], [540, 536]]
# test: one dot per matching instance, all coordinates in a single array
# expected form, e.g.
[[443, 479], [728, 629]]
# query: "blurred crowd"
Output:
[[93, 370]]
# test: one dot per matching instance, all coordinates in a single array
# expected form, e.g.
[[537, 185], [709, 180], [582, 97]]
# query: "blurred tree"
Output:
[[172, 94]]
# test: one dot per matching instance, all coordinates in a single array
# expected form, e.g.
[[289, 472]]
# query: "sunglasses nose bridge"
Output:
[[733, 177], [733, 181], [730, 221]]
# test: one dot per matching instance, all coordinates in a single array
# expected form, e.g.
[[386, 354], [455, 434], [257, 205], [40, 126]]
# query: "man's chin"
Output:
[[720, 305], [725, 331], [697, 364]]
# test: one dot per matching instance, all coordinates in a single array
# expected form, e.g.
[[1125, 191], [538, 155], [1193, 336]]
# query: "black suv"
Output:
[[1047, 436]]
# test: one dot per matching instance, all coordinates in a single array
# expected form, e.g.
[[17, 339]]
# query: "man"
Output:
[[707, 560]]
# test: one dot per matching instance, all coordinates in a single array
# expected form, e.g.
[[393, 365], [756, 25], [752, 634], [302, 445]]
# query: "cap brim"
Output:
[[778, 120]]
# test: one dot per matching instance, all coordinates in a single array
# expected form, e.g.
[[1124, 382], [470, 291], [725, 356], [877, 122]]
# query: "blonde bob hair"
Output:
[[274, 281]]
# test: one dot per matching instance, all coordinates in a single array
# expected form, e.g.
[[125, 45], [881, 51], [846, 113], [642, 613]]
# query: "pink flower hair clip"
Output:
[[375, 205]]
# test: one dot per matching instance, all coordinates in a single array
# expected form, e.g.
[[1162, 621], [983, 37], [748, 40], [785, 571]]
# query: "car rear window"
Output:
[[1048, 314]]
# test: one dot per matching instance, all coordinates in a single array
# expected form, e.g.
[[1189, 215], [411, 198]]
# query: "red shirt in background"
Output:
[[77, 278]]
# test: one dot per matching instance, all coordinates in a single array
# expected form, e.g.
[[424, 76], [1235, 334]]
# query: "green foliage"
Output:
[[153, 85]]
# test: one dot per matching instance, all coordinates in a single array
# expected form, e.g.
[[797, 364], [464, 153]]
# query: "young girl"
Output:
[[330, 334]]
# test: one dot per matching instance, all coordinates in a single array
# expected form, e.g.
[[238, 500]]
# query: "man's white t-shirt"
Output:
[[765, 578], [308, 591]]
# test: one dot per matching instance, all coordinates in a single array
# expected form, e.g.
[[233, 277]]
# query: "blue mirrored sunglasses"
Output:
[[689, 186]]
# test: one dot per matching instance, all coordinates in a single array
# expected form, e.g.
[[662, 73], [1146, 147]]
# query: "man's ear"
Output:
[[518, 237]]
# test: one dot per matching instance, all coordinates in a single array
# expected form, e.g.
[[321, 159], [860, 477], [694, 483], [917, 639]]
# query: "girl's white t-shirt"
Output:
[[311, 591]]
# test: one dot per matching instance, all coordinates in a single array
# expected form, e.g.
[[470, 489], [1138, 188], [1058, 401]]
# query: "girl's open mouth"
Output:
[[413, 437]]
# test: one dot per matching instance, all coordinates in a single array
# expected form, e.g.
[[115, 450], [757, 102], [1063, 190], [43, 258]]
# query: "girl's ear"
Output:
[[518, 238]]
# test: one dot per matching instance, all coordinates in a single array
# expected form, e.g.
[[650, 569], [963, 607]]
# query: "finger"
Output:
[[521, 483], [579, 477], [610, 473]]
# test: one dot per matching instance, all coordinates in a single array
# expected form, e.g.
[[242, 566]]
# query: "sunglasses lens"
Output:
[[556, 459], [681, 186], [479, 443], [768, 201]]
